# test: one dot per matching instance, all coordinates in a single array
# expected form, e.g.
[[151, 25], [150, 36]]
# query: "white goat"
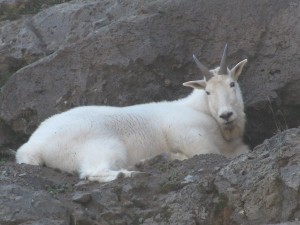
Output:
[[100, 142]]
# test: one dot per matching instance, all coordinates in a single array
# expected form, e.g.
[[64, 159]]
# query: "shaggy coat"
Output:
[[100, 142]]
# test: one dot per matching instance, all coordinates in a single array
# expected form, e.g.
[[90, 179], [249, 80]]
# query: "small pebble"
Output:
[[80, 197], [22, 174]]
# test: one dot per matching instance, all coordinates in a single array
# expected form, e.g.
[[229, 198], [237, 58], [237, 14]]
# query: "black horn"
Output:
[[223, 65], [203, 69]]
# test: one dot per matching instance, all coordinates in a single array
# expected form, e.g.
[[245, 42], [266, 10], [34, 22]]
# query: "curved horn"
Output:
[[203, 69], [223, 65]]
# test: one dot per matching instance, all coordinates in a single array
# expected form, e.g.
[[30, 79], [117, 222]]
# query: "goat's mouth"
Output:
[[229, 124]]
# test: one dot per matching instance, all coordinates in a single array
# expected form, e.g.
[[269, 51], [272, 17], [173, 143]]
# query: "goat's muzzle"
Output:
[[226, 116]]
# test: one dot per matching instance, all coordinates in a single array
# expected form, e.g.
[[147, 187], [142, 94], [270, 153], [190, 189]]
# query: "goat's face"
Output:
[[224, 100], [223, 95]]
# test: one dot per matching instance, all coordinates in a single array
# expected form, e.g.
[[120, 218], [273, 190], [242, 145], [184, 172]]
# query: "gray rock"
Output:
[[268, 183], [287, 223], [82, 198], [261, 187], [44, 221], [19, 205]]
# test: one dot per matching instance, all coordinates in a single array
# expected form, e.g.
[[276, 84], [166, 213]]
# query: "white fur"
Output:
[[100, 142]]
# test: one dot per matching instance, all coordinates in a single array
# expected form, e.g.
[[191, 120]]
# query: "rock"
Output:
[[82, 198], [19, 205], [287, 223], [21, 43], [268, 183], [45, 221], [82, 183], [261, 187]]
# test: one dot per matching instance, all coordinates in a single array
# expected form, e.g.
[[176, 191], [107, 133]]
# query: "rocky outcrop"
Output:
[[261, 187], [121, 53]]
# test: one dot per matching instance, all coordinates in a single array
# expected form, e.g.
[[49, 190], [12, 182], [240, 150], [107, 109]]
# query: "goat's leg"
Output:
[[106, 175], [104, 160]]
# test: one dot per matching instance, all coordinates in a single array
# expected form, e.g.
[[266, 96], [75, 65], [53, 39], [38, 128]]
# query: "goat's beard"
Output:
[[232, 130], [235, 129]]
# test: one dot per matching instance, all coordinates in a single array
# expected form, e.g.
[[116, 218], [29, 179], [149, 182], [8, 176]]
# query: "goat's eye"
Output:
[[207, 92], [232, 84]]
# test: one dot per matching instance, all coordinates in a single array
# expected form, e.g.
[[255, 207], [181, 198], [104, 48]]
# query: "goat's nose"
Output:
[[226, 115]]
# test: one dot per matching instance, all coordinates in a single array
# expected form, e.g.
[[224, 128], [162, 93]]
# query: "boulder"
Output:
[[263, 186]]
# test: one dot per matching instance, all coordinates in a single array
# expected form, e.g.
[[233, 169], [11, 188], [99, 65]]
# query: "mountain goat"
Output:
[[100, 142]]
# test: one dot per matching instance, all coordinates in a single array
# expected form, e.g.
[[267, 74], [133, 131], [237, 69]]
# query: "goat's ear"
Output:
[[237, 70], [196, 84]]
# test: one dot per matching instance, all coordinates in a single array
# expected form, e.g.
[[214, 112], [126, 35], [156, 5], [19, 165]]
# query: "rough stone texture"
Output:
[[80, 197], [288, 223], [261, 187], [20, 205], [132, 51]]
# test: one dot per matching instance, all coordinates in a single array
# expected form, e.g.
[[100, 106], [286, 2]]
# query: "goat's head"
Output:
[[224, 96]]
